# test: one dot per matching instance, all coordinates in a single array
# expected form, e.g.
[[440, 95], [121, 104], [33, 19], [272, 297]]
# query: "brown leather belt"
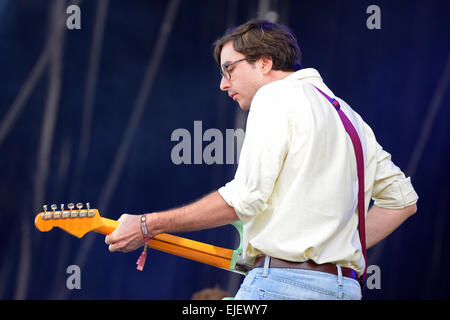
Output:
[[309, 265]]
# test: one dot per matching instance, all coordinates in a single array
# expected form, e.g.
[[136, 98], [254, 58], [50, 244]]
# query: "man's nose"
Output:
[[224, 84]]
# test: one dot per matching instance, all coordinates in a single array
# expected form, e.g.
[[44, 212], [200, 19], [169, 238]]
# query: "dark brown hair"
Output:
[[261, 38]]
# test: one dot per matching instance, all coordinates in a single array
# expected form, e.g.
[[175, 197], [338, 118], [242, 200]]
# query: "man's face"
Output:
[[245, 80]]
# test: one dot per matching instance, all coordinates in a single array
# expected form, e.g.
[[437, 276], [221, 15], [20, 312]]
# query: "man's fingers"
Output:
[[123, 238], [114, 244], [108, 239], [111, 238], [113, 247], [118, 246]]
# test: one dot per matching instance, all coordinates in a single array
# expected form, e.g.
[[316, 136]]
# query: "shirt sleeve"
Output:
[[392, 190], [265, 146]]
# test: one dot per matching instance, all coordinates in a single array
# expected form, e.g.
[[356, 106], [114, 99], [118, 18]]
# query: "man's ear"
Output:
[[266, 64]]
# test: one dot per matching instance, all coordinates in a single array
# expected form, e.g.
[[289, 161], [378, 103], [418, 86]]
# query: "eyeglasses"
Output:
[[225, 72]]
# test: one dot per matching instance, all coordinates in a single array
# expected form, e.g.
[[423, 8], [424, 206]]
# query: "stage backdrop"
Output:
[[94, 93]]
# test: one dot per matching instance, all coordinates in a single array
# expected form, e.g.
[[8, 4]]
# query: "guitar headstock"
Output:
[[77, 222]]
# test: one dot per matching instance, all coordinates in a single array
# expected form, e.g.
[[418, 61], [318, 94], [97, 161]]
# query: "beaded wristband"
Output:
[[141, 261]]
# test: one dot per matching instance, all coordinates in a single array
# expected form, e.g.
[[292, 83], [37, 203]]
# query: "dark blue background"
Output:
[[389, 76]]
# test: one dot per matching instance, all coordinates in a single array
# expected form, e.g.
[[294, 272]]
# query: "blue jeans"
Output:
[[297, 284]]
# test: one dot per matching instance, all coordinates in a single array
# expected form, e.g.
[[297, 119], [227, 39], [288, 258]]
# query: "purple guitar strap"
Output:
[[360, 170]]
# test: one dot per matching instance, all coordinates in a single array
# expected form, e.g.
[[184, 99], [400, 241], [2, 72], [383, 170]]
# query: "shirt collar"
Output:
[[303, 74]]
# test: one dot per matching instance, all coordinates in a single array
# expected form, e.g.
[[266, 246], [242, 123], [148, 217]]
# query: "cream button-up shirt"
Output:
[[295, 188]]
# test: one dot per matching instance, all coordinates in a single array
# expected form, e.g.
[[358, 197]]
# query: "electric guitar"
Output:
[[80, 221]]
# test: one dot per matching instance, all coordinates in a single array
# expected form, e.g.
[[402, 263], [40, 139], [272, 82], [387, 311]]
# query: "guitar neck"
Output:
[[79, 222], [186, 248]]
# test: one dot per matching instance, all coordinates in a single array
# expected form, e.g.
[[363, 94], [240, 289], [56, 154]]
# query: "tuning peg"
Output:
[[79, 206], [64, 214], [49, 215], [45, 207], [72, 214], [57, 215], [90, 213]]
